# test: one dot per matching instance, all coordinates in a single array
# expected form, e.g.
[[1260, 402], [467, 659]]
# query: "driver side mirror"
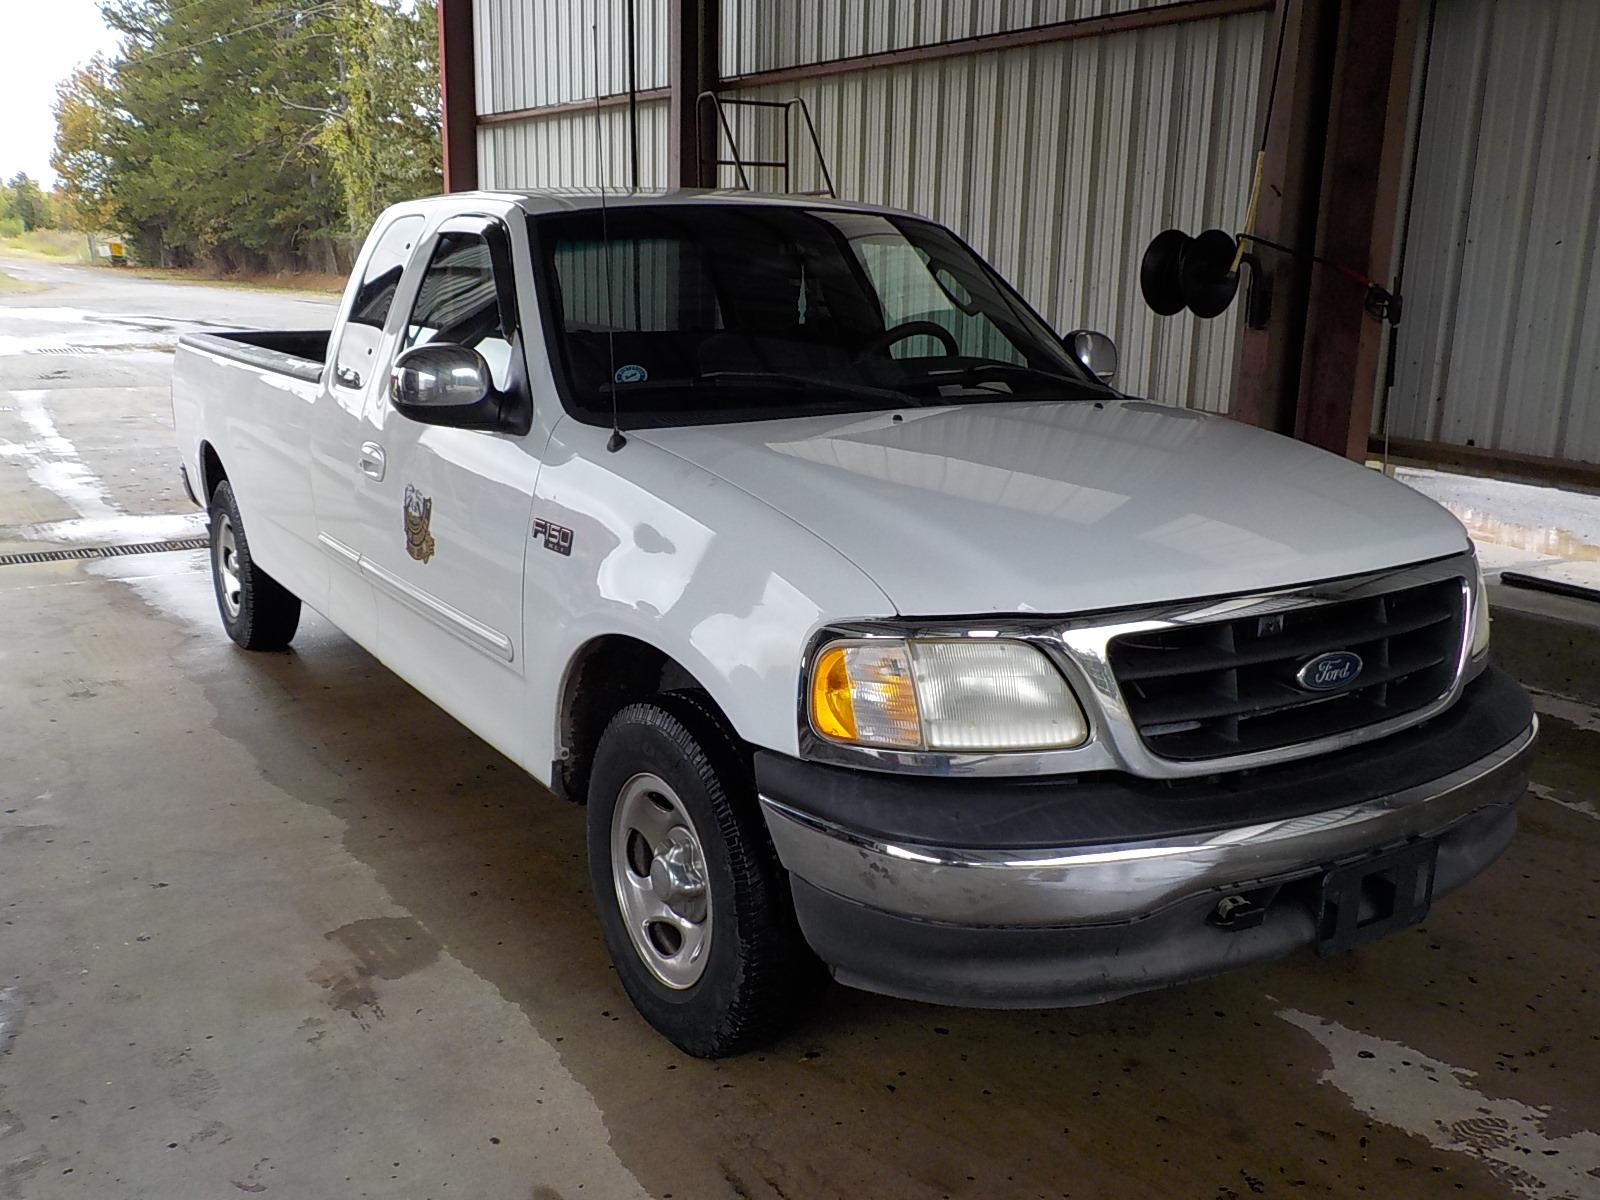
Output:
[[445, 384], [1094, 352]]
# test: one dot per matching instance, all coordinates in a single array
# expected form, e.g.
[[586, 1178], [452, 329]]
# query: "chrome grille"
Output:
[[1228, 687]]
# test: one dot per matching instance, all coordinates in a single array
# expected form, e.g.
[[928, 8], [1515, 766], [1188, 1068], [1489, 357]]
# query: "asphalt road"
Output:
[[273, 924]]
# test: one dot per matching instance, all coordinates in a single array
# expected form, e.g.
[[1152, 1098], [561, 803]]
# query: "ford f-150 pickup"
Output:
[[874, 627]]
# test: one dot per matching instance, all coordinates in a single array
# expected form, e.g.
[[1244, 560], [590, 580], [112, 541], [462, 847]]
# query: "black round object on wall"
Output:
[[1160, 272], [1206, 276]]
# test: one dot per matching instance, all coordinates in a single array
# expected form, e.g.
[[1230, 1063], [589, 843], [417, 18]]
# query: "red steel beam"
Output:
[[694, 67], [1359, 221], [1498, 464], [458, 101], [615, 100]]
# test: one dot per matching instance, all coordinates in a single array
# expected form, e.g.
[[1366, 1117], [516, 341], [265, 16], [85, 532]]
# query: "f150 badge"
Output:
[[419, 511], [554, 537]]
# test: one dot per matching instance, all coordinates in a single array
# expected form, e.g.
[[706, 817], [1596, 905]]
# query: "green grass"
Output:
[[59, 245]]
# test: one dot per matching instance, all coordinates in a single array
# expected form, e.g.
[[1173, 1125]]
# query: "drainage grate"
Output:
[[59, 350], [44, 556]]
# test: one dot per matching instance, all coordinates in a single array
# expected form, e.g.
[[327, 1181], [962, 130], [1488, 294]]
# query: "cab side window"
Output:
[[363, 330], [458, 302]]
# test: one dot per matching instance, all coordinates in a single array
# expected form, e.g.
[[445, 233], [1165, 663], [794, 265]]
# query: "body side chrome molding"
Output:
[[474, 632], [339, 550]]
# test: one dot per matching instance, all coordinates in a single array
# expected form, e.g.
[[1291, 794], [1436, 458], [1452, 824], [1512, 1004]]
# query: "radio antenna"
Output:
[[616, 441]]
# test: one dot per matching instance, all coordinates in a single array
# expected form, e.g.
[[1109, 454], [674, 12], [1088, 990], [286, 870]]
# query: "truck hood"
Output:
[[1069, 507]]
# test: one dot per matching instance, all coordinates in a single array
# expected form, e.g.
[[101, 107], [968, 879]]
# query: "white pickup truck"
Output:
[[873, 626]]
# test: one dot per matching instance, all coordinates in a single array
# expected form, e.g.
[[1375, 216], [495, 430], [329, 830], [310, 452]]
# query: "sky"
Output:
[[44, 42]]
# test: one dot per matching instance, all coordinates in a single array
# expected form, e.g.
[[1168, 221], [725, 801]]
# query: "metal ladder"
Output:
[[718, 106]]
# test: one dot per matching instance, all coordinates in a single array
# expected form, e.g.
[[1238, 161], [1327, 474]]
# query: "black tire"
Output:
[[757, 970], [259, 613]]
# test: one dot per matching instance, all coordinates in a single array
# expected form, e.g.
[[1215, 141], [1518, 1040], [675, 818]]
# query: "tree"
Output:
[[83, 158], [251, 134], [215, 131], [26, 202], [382, 137]]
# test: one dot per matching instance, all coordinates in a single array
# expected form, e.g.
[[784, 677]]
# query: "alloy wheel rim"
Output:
[[663, 893], [226, 556]]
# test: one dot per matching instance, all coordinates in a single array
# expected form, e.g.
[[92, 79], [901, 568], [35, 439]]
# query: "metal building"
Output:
[[1498, 359], [1059, 136]]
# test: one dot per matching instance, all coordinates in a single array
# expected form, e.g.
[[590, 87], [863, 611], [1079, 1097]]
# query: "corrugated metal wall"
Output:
[[562, 151], [763, 35], [1059, 163], [535, 52], [1500, 343]]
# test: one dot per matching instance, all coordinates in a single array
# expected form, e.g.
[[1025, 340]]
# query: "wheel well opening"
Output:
[[211, 472], [608, 674]]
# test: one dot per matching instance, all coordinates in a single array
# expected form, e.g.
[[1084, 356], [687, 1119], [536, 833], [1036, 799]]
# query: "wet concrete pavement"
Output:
[[275, 925]]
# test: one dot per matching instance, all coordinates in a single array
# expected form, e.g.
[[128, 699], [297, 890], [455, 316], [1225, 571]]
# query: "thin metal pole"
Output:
[[633, 93]]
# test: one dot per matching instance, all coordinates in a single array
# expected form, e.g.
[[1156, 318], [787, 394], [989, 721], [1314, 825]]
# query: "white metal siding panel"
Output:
[[531, 53], [1500, 347], [1059, 163], [765, 35], [563, 151]]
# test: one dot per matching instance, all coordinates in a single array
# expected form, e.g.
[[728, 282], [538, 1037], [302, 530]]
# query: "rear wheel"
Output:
[[257, 611], [693, 904]]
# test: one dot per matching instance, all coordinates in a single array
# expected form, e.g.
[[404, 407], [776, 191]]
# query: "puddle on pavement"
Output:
[[177, 585], [120, 529], [1585, 807], [12, 1006], [1435, 1101], [1559, 543], [91, 331]]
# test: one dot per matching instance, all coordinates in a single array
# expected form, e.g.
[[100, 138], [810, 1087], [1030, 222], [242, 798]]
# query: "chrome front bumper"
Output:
[[1123, 882]]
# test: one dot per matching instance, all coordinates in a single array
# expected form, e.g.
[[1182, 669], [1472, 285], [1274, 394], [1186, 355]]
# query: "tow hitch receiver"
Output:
[[1370, 898]]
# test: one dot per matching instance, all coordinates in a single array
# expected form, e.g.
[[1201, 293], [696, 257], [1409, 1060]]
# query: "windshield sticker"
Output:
[[419, 512], [631, 373]]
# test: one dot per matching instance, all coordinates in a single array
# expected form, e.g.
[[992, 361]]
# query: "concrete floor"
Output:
[[273, 924], [1544, 533]]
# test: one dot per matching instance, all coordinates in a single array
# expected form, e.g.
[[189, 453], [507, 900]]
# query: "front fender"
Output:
[[664, 552]]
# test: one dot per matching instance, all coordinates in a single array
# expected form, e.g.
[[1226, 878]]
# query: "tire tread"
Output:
[[774, 970]]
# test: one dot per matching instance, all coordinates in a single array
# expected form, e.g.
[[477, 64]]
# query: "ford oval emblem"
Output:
[[1328, 672]]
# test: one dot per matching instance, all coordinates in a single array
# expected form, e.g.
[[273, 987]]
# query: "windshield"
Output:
[[710, 312]]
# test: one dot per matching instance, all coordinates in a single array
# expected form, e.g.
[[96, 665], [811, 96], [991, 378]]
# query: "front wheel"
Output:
[[257, 611], [693, 904]]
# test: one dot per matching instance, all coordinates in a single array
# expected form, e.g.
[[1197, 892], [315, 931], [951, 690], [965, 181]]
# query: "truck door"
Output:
[[444, 526], [340, 425]]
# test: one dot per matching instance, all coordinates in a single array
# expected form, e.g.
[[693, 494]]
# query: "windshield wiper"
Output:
[[966, 374], [813, 383], [775, 379]]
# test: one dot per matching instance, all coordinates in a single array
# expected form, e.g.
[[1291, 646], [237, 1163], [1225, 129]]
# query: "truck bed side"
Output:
[[248, 397]]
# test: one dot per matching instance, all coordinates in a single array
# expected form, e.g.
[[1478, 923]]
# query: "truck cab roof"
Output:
[[539, 201]]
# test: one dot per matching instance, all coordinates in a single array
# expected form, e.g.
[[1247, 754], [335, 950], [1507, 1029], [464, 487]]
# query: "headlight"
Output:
[[1480, 613], [959, 694]]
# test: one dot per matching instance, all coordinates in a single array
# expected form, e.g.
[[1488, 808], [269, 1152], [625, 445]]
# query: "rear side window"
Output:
[[384, 268], [374, 296]]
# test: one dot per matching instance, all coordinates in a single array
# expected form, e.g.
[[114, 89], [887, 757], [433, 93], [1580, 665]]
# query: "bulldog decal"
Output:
[[419, 511]]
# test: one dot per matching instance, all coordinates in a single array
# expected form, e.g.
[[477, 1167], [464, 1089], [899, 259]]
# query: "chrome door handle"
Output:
[[347, 377], [371, 459]]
